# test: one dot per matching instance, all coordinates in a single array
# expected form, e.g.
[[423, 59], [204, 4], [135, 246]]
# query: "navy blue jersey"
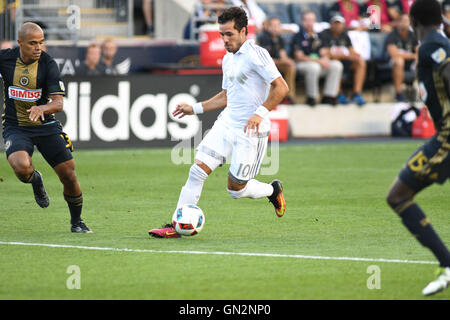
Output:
[[27, 85], [434, 53]]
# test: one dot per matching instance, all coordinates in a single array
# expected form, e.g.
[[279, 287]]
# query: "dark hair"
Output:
[[426, 12], [236, 14]]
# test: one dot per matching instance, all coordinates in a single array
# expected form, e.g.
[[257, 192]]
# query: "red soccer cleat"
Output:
[[167, 231]]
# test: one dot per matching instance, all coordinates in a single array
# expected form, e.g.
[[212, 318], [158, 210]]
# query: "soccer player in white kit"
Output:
[[252, 86]]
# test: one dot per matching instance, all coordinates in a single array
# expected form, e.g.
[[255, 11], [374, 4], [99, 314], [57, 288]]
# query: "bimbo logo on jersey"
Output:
[[29, 95]]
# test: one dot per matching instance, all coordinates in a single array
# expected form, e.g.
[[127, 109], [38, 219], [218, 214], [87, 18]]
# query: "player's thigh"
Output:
[[55, 148], [429, 164], [214, 148], [19, 149], [247, 156]]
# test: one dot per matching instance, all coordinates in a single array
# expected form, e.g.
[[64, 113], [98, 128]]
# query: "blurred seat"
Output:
[[295, 12], [279, 10]]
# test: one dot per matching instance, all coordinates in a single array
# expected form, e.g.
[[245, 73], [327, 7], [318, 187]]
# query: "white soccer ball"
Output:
[[188, 220]]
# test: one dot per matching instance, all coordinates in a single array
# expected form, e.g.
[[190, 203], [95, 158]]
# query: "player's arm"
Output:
[[219, 101], [278, 90], [55, 105]]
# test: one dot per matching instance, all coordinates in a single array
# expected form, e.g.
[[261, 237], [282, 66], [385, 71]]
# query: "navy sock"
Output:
[[75, 204], [418, 224]]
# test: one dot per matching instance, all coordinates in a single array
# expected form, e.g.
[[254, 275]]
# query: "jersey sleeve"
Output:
[[54, 82], [264, 65], [434, 56]]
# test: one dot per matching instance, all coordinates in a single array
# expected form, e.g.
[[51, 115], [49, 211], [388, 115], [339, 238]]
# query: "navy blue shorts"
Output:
[[429, 164], [55, 148]]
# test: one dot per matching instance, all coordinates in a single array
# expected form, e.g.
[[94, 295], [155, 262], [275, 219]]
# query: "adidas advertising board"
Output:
[[134, 111]]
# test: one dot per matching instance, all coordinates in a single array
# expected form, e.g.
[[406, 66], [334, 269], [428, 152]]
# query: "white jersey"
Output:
[[247, 76]]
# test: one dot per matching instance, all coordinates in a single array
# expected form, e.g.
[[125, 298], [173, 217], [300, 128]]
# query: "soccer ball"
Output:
[[188, 220]]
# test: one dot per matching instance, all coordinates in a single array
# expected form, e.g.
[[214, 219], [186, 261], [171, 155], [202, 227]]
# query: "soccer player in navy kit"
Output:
[[431, 162], [33, 92]]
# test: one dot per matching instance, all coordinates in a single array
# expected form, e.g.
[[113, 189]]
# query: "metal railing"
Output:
[[71, 20]]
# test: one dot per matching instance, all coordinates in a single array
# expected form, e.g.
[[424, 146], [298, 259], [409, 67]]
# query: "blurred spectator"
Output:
[[147, 11], [349, 9], [313, 63], [206, 10], [109, 61], [91, 64], [338, 46], [271, 40], [254, 12], [8, 10], [397, 7], [401, 45], [384, 20], [446, 17], [6, 44]]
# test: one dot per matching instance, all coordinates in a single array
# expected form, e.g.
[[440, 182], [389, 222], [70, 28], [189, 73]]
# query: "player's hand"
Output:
[[183, 110], [252, 124], [35, 113]]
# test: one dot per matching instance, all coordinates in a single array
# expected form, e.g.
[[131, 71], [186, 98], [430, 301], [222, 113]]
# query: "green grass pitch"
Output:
[[336, 207]]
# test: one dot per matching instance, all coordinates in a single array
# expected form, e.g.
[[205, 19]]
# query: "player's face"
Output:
[[31, 46], [232, 38]]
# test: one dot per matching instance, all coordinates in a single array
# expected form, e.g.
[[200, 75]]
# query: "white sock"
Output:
[[190, 193], [254, 189]]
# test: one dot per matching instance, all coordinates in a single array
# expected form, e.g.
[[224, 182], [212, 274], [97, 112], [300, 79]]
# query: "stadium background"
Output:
[[337, 226], [166, 58]]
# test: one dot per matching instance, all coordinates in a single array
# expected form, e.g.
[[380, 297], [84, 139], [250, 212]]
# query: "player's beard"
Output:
[[232, 49]]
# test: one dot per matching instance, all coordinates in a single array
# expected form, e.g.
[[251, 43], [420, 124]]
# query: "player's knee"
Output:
[[23, 169], [394, 198], [68, 177]]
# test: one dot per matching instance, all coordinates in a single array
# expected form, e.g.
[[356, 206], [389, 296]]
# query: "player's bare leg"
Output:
[[190, 194], [401, 199], [22, 165], [72, 194]]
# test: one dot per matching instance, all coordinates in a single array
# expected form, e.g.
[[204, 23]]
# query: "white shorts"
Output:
[[224, 141]]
